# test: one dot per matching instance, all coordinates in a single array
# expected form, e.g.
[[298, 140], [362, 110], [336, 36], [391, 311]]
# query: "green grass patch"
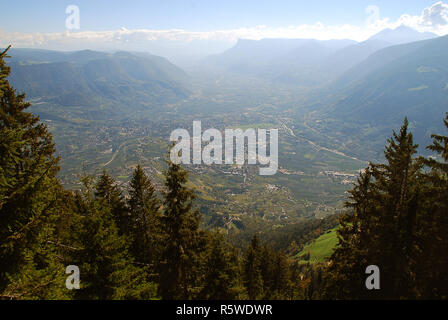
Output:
[[321, 248]]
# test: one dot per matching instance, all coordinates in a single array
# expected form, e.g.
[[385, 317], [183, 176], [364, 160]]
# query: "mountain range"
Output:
[[100, 84], [374, 96], [306, 62], [358, 89]]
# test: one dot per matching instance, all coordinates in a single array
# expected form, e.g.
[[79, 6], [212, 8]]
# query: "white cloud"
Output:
[[433, 18], [436, 15]]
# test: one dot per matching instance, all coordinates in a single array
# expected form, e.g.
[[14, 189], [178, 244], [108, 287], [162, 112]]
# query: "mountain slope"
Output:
[[120, 83], [320, 249], [290, 61], [401, 35], [306, 62], [401, 79], [348, 57], [406, 80]]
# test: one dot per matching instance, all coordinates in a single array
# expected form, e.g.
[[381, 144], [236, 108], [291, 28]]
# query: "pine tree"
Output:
[[221, 271], [29, 200], [399, 190], [145, 218], [267, 268], [4, 72], [432, 268], [107, 269], [184, 242], [382, 228], [107, 190], [252, 277], [280, 286], [357, 233], [440, 146]]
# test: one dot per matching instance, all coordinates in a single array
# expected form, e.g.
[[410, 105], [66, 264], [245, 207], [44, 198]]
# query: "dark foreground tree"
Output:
[[431, 274], [382, 230], [184, 243], [221, 271], [108, 270], [144, 218], [106, 189], [252, 273], [30, 200]]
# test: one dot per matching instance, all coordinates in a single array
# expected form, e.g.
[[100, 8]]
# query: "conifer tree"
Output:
[[183, 242], [145, 218], [432, 268], [107, 190], [221, 271], [29, 193], [253, 278], [382, 229], [107, 269], [399, 190], [267, 268], [280, 286]]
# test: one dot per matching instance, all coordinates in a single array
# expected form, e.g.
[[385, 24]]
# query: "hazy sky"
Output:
[[195, 15], [208, 25]]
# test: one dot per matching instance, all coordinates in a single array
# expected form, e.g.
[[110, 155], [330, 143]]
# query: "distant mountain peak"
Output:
[[401, 35]]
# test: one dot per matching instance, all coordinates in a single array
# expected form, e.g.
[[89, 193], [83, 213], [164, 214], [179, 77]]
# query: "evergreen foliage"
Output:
[[183, 241], [398, 223], [144, 243]]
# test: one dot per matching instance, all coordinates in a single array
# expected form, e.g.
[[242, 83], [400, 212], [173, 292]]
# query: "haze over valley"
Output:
[[223, 150], [335, 102]]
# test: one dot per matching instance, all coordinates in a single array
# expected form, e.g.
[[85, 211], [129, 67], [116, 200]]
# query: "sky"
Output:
[[152, 24], [195, 15]]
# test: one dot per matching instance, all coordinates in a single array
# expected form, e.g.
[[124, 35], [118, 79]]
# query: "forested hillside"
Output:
[[146, 245], [96, 85], [362, 105]]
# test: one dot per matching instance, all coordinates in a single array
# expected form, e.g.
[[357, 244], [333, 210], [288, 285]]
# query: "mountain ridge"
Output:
[[97, 80]]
